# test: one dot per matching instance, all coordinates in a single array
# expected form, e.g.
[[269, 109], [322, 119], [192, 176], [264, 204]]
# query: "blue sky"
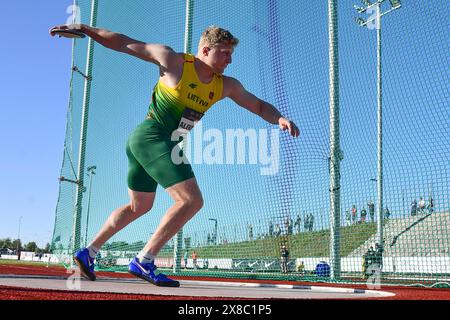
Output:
[[33, 99], [35, 93]]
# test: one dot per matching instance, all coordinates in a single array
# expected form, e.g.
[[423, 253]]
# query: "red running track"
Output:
[[17, 293]]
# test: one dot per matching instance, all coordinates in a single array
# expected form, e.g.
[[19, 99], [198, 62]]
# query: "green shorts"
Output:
[[149, 151]]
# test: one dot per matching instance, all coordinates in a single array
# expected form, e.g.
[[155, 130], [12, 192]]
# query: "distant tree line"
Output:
[[16, 244]]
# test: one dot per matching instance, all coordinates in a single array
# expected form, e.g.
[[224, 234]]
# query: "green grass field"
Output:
[[21, 262], [305, 244]]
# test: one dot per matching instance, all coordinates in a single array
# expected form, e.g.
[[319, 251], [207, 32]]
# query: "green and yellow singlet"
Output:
[[151, 145], [182, 106]]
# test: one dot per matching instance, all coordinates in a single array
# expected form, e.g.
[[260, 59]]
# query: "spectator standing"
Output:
[[250, 231], [311, 222], [371, 207], [387, 213], [301, 267], [185, 258], [431, 205], [284, 259], [421, 205], [368, 258], [413, 207], [286, 225], [270, 228], [348, 218], [298, 223], [290, 226], [277, 230], [354, 214], [378, 256], [306, 222], [194, 259], [363, 215], [364, 265]]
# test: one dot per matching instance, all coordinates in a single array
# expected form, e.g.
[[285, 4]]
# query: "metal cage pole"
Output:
[[76, 231], [335, 152], [187, 48], [380, 134]]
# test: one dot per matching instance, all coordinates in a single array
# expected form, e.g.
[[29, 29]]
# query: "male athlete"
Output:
[[188, 86]]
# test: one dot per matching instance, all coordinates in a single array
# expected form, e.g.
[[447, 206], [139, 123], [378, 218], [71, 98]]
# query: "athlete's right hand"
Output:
[[74, 27], [290, 126]]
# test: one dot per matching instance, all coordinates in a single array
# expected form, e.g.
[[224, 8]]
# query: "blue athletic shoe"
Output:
[[146, 271], [85, 263]]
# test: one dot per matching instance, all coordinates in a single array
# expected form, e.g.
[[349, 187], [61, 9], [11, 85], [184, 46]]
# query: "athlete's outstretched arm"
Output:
[[236, 91], [156, 53]]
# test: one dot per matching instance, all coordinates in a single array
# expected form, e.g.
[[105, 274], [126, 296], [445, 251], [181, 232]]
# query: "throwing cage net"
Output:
[[262, 188]]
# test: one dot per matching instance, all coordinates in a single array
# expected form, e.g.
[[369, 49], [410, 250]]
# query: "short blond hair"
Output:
[[214, 35]]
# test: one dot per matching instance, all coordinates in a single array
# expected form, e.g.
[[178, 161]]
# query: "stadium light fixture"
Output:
[[360, 21], [367, 2], [215, 229], [360, 9], [395, 4], [18, 239]]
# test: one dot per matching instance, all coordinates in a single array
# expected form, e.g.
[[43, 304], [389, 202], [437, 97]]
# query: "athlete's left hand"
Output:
[[286, 124]]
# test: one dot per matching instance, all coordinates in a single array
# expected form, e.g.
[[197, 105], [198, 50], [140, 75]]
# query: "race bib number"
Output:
[[188, 120]]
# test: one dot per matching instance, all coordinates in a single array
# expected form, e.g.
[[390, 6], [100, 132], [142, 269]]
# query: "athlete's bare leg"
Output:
[[140, 203], [188, 201]]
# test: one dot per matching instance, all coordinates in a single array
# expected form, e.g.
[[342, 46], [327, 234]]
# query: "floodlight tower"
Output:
[[215, 229], [395, 4]]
